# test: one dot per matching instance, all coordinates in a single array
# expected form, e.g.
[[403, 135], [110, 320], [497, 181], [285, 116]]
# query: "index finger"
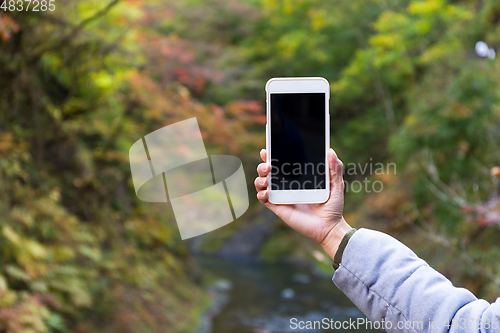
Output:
[[263, 154]]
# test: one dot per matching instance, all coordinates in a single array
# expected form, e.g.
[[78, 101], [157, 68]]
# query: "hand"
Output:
[[324, 222]]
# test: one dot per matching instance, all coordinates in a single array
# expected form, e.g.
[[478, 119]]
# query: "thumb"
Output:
[[336, 168]]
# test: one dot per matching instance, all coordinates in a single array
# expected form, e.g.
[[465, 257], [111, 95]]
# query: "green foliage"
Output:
[[78, 251], [78, 86]]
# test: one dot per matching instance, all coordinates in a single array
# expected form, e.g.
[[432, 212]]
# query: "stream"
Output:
[[263, 297]]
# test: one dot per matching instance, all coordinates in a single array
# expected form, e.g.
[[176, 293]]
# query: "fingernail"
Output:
[[263, 181], [262, 150], [265, 167]]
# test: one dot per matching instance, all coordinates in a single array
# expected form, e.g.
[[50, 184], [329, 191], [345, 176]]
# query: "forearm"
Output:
[[388, 282]]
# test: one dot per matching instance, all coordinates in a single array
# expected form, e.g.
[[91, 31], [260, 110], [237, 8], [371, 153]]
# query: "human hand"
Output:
[[324, 222]]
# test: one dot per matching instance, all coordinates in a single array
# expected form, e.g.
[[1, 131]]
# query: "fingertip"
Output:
[[263, 154], [264, 169], [332, 153], [335, 165], [263, 196], [332, 157]]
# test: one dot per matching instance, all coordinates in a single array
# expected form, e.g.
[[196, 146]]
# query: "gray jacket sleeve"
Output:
[[393, 287]]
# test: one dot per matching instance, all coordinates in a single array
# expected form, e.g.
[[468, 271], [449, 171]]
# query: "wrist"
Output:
[[332, 241]]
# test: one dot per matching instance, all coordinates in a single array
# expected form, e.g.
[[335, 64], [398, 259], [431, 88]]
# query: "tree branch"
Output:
[[77, 29]]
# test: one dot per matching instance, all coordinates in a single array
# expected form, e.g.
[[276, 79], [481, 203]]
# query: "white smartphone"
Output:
[[298, 139]]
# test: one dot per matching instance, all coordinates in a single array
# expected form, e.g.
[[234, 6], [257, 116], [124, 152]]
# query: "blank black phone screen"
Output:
[[297, 134]]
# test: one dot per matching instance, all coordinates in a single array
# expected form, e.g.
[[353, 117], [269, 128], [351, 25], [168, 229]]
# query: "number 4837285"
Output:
[[27, 5]]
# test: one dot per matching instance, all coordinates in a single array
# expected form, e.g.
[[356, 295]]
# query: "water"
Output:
[[265, 298]]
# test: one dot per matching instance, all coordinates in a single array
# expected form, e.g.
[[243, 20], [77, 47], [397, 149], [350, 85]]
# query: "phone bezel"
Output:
[[299, 85]]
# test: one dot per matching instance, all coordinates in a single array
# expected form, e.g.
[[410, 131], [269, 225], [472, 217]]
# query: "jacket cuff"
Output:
[[338, 256]]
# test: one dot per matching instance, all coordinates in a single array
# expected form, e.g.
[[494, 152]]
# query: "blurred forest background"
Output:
[[80, 84]]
